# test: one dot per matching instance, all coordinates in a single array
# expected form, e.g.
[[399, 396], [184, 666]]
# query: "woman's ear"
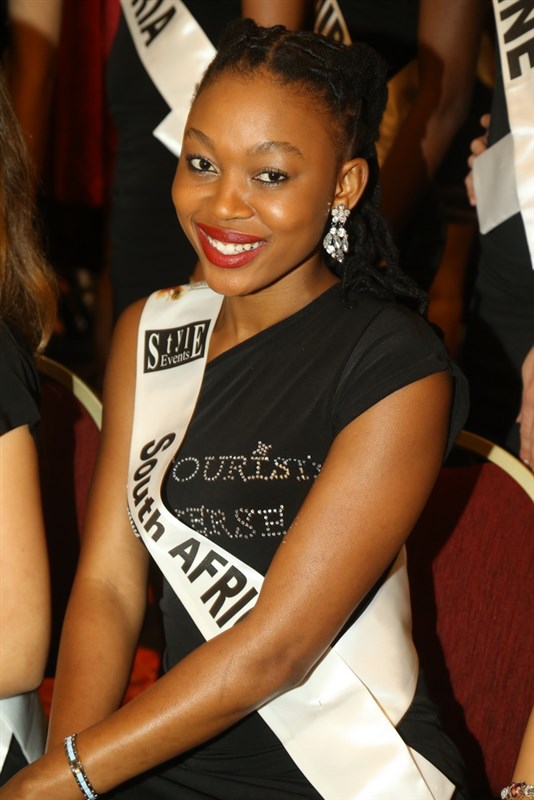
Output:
[[351, 182]]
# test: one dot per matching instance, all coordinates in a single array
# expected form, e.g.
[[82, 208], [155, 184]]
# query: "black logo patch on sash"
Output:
[[172, 347]]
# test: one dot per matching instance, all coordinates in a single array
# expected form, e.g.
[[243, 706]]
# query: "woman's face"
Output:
[[256, 177]]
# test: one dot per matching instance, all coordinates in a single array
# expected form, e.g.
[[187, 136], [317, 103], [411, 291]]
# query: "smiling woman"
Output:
[[261, 174], [291, 416]]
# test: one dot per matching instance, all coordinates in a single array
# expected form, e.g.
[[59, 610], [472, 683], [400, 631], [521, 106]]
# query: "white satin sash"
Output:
[[504, 175], [22, 716], [339, 725], [329, 21], [175, 51]]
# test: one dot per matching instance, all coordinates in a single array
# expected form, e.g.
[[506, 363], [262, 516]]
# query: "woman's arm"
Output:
[[524, 769], [24, 579], [107, 602], [34, 31], [448, 44], [292, 13], [361, 508]]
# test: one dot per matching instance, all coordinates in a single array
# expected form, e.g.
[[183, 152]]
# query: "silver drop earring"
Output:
[[336, 241]]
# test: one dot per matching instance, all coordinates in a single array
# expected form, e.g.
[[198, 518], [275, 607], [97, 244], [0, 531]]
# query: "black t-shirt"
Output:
[[4, 30], [270, 408], [266, 417], [19, 384]]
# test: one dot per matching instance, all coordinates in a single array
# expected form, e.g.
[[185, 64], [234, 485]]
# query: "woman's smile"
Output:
[[226, 248]]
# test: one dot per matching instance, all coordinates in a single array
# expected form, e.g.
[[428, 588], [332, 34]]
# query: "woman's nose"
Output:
[[229, 200]]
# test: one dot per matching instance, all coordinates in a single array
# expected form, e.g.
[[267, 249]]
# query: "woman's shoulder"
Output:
[[19, 382], [404, 325], [390, 340], [10, 343], [370, 319], [122, 354], [393, 347]]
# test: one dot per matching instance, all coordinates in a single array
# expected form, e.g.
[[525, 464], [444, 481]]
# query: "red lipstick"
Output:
[[228, 237]]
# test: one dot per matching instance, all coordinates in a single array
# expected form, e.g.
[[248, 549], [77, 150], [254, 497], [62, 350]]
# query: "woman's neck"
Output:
[[245, 316]]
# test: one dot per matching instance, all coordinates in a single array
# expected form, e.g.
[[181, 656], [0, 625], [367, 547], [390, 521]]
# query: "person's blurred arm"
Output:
[[292, 13], [448, 44], [31, 67], [24, 580]]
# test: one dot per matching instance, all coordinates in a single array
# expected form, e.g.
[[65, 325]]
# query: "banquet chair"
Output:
[[471, 562], [71, 417]]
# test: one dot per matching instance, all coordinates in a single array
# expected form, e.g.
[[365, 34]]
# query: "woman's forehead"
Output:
[[261, 87], [256, 109]]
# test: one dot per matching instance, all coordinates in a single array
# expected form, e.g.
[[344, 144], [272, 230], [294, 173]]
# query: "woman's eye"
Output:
[[271, 176], [200, 164]]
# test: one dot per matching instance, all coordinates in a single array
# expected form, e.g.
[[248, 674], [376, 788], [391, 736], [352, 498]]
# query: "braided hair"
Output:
[[349, 83]]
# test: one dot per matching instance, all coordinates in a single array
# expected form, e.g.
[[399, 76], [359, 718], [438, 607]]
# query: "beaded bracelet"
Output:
[[517, 789], [77, 770]]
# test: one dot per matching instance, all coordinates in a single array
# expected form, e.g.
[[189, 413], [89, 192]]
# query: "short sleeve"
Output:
[[397, 348], [19, 387]]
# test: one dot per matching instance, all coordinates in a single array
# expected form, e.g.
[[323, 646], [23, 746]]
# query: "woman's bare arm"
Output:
[[24, 579], [524, 769], [107, 602], [294, 14], [31, 64], [448, 44]]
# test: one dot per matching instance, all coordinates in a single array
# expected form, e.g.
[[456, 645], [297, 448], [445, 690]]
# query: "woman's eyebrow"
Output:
[[194, 133], [273, 146], [261, 147]]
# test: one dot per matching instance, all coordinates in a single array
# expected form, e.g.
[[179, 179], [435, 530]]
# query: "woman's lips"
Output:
[[228, 249], [228, 236]]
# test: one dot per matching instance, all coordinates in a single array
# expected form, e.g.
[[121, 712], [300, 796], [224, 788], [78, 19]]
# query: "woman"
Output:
[[321, 423], [27, 314]]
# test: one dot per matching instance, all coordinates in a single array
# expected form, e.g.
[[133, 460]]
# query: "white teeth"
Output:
[[228, 249]]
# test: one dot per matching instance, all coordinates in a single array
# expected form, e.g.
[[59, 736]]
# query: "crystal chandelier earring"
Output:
[[336, 241]]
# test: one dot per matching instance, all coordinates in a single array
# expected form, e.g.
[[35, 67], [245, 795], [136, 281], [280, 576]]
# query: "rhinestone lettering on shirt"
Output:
[[259, 466], [245, 522]]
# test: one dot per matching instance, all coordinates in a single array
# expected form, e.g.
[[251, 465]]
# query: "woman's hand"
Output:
[[48, 777], [478, 146]]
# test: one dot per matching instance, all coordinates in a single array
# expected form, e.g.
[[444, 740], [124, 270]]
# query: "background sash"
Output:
[[175, 51], [504, 174]]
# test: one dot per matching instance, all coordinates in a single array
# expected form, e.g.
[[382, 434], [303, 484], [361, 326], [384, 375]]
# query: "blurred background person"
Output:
[[431, 48], [499, 344], [27, 314], [29, 39]]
